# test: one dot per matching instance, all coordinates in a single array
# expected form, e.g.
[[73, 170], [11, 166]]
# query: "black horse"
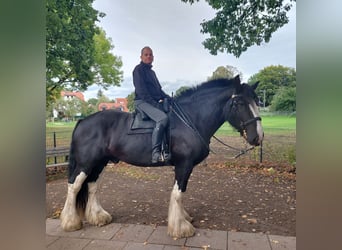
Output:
[[195, 116]]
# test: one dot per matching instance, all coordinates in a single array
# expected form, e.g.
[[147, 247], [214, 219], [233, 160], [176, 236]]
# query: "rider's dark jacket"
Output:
[[147, 86]]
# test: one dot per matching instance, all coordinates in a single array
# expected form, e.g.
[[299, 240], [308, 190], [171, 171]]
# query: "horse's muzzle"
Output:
[[257, 140]]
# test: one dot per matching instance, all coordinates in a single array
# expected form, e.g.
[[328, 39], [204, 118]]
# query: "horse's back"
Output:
[[103, 120], [97, 129]]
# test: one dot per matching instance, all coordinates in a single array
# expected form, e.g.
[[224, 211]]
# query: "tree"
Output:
[[240, 24], [89, 107], [69, 43], [74, 46], [106, 67], [92, 101], [181, 90], [68, 108], [284, 100], [271, 79], [130, 102], [101, 98], [225, 72]]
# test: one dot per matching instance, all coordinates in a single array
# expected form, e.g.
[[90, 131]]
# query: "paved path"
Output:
[[135, 237]]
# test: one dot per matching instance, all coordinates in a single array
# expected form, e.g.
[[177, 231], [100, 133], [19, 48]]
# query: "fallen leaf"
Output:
[[252, 221]]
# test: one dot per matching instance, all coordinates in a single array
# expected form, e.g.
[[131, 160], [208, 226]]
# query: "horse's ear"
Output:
[[237, 79], [255, 85], [237, 84]]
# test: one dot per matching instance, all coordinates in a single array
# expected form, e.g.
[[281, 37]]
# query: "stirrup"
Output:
[[166, 156], [157, 157]]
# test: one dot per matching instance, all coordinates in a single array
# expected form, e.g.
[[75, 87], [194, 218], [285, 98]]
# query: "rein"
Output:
[[241, 151], [187, 121]]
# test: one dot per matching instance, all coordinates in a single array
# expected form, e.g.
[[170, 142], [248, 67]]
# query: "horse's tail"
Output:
[[82, 196]]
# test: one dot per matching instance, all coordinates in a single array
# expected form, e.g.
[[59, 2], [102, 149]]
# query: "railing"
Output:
[[57, 147]]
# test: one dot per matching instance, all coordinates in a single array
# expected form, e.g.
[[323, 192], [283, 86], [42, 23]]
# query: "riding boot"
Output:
[[157, 136]]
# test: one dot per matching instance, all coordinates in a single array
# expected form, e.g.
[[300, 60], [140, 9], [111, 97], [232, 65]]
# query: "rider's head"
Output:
[[146, 55]]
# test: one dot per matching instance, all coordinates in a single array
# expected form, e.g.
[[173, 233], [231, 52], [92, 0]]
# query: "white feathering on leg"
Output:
[[178, 224], [95, 214], [70, 219]]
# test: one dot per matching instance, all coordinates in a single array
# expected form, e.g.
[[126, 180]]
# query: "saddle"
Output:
[[142, 124]]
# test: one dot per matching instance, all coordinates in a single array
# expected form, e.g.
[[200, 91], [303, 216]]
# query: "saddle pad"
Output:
[[140, 125]]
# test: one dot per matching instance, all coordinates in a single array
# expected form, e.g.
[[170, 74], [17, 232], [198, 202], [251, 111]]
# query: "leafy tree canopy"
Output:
[[284, 100], [273, 78], [181, 90], [225, 72], [77, 51], [130, 101], [240, 24]]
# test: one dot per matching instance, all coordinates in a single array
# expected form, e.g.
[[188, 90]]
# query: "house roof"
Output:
[[77, 94], [120, 103]]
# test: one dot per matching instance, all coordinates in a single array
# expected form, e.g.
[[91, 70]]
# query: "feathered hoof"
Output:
[[100, 219], [72, 224], [183, 230]]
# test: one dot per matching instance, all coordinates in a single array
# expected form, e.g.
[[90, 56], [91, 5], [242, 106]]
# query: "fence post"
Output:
[[55, 144]]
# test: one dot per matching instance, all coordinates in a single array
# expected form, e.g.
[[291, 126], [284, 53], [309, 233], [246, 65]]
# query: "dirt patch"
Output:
[[223, 194]]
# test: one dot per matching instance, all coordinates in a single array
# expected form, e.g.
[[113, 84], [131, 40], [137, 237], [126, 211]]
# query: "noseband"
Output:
[[246, 123]]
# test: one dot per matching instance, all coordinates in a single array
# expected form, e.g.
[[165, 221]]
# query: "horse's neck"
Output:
[[207, 117]]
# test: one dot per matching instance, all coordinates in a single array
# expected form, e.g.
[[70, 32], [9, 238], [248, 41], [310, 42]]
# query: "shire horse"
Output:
[[196, 115]]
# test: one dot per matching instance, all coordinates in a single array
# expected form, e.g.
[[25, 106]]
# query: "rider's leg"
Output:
[[161, 120]]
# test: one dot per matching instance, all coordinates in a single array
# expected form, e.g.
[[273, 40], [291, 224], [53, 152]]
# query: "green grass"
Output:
[[272, 124], [59, 125], [279, 143]]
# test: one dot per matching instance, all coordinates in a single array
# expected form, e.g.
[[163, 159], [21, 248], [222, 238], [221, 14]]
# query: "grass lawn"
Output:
[[272, 124], [276, 127]]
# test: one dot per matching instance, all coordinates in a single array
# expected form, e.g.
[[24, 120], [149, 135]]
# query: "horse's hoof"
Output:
[[70, 226], [100, 219], [184, 231]]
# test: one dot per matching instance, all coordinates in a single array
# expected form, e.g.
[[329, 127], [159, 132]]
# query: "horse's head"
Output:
[[242, 112]]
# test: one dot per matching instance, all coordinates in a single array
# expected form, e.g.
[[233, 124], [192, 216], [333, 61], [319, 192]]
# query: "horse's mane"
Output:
[[199, 89]]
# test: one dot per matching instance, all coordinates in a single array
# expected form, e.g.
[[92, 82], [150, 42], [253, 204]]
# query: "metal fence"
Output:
[[57, 146], [58, 138]]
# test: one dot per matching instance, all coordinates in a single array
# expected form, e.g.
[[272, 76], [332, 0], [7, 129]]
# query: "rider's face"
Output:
[[147, 56]]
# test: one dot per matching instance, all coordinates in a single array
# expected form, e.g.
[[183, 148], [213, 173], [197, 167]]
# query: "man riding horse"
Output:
[[149, 97]]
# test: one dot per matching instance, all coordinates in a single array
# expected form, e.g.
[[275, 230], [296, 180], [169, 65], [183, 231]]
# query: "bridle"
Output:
[[244, 124], [178, 111]]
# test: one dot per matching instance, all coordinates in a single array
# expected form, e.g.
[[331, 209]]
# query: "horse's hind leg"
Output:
[[94, 212], [70, 219]]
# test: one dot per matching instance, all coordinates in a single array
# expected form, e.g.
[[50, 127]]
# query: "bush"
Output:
[[284, 100]]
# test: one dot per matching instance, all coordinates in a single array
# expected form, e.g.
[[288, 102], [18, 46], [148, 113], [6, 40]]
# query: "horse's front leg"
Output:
[[179, 221]]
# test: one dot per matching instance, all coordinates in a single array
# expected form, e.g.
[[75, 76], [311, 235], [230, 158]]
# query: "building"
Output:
[[119, 104], [60, 110], [70, 94]]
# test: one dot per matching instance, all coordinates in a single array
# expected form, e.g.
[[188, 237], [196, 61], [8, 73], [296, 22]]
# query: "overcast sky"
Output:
[[172, 29]]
